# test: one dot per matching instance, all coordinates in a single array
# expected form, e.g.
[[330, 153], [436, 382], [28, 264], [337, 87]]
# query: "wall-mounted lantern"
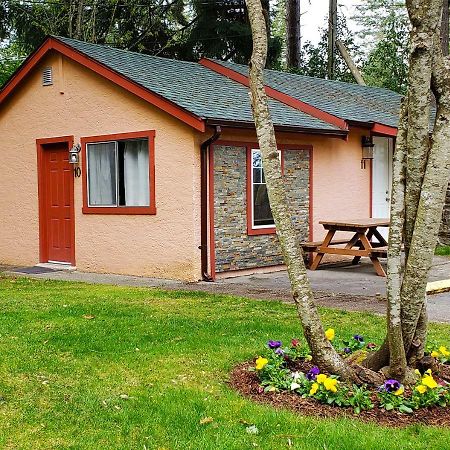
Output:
[[74, 154], [367, 150]]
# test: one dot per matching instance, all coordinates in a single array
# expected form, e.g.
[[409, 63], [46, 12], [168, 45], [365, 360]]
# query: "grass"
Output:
[[443, 250], [62, 375]]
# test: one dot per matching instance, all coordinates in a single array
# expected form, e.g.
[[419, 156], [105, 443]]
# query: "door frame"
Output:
[[391, 149], [43, 236]]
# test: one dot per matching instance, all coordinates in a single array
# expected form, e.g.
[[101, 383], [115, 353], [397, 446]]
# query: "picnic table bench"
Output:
[[358, 246]]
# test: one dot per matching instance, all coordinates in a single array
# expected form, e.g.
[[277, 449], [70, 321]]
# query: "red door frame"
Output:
[[43, 241]]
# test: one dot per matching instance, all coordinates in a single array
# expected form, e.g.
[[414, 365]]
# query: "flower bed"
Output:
[[287, 376]]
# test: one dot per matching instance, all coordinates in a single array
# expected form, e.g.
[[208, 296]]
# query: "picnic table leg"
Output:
[[319, 255], [380, 238], [378, 267], [354, 241], [375, 261], [356, 259]]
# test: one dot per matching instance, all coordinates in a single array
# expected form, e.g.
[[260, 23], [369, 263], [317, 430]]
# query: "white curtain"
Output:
[[136, 173], [102, 174]]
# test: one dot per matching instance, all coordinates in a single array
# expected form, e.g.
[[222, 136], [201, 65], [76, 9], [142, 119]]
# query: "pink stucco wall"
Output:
[[81, 103], [341, 189]]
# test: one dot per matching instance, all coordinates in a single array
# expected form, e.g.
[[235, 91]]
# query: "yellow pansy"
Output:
[[321, 378], [429, 382], [399, 391], [421, 389], [314, 388], [261, 363], [444, 351], [435, 354], [330, 384], [329, 334]]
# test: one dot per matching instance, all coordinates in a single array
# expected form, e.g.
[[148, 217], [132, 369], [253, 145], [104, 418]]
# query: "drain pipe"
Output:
[[204, 201]]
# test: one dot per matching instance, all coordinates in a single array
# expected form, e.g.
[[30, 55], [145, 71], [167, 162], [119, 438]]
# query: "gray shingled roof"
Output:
[[345, 100], [193, 87]]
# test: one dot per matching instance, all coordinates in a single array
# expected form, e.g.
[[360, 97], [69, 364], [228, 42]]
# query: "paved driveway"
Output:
[[353, 288]]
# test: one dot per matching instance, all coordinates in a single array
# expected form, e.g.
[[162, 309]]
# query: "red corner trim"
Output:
[[122, 81], [277, 95], [385, 130]]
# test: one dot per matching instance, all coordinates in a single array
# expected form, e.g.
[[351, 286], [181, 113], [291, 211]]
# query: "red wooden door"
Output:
[[57, 211]]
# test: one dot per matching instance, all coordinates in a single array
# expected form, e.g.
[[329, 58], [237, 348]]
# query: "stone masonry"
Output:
[[234, 248], [444, 233]]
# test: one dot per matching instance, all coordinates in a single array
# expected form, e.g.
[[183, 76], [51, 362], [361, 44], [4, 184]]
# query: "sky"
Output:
[[315, 13]]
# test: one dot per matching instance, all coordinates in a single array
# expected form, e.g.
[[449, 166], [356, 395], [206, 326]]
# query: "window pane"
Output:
[[135, 180], [256, 157], [262, 215], [102, 174], [256, 175]]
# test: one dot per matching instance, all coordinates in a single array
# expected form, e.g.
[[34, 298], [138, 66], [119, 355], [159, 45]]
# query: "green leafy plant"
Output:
[[359, 399]]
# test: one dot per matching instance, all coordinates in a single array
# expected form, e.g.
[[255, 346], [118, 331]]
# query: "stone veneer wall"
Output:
[[444, 233], [234, 248]]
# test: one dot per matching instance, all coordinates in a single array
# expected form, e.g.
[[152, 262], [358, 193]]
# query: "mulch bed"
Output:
[[247, 383]]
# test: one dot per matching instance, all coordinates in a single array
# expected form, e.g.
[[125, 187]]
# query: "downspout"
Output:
[[204, 201]]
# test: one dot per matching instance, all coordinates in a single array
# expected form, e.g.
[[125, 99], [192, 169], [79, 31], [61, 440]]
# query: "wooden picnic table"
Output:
[[360, 245]]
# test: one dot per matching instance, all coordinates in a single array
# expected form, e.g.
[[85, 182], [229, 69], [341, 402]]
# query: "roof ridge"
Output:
[[123, 50], [299, 75]]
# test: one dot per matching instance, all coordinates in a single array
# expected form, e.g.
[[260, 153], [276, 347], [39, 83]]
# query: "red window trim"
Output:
[[121, 210]]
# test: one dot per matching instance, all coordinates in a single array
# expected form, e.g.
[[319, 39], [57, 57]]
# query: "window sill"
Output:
[[120, 211], [261, 231]]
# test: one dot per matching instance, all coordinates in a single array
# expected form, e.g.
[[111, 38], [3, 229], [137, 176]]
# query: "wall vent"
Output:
[[47, 76]]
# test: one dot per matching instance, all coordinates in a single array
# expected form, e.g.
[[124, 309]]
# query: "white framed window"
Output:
[[261, 214], [118, 173]]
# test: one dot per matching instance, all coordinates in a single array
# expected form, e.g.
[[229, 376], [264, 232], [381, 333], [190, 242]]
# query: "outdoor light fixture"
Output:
[[367, 150], [74, 154]]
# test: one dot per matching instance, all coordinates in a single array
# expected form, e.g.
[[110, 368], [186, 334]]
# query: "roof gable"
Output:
[[189, 91], [71, 52]]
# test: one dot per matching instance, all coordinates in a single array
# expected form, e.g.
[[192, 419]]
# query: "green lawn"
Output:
[[443, 250], [62, 375]]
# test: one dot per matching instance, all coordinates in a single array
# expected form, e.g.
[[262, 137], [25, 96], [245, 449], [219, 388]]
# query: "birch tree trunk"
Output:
[[323, 352], [421, 174]]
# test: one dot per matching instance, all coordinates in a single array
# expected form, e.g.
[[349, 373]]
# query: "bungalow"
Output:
[[169, 181]]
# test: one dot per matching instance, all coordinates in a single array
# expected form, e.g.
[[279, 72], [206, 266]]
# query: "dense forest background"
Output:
[[190, 29]]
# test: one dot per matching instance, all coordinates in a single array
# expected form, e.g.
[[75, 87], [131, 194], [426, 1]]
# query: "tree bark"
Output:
[[397, 361], [445, 27], [323, 352], [350, 63], [293, 34], [426, 180], [332, 33]]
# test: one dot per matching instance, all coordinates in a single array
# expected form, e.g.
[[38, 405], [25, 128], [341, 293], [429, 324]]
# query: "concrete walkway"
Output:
[[353, 288]]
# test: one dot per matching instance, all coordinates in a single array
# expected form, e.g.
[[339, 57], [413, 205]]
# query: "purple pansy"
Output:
[[358, 338], [274, 344], [391, 385], [312, 374], [279, 351], [347, 350]]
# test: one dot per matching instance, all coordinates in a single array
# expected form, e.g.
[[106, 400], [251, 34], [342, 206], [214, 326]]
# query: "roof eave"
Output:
[[281, 128]]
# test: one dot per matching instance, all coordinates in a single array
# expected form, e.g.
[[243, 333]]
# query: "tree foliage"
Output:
[[315, 57], [384, 28]]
